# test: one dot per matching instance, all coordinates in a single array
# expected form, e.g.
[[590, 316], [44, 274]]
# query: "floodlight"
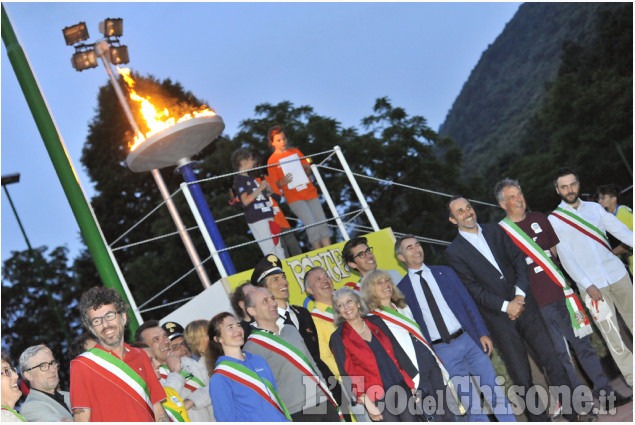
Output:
[[84, 60], [119, 55], [111, 27], [75, 33], [10, 179]]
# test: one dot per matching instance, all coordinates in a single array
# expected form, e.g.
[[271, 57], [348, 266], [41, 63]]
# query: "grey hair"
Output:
[[363, 308], [399, 241], [28, 353], [506, 182]]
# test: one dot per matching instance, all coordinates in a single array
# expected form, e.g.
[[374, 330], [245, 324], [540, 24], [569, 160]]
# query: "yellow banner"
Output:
[[331, 260]]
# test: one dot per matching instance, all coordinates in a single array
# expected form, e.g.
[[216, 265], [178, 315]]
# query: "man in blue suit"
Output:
[[450, 320]]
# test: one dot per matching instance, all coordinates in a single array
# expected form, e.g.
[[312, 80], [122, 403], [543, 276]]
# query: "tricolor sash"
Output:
[[393, 316], [119, 373], [192, 383], [582, 226], [17, 415], [174, 415], [355, 286], [324, 315], [579, 320], [245, 376], [295, 357]]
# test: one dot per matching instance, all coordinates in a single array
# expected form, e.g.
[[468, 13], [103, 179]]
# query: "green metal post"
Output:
[[63, 167]]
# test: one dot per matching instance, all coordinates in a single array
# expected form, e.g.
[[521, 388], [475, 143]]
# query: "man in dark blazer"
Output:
[[493, 270], [458, 335]]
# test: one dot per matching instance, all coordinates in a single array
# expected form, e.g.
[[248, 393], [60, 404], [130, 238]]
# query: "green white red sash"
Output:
[[579, 320], [173, 414], [355, 286], [324, 315], [120, 374], [296, 357], [245, 376], [393, 316], [192, 383], [582, 226], [17, 415]]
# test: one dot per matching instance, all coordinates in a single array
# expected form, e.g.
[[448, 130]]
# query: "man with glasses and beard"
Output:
[[113, 382], [586, 255], [44, 403]]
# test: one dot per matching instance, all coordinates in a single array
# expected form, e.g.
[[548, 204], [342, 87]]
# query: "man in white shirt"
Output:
[[586, 255]]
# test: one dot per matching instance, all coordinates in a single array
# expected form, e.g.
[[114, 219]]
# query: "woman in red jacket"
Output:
[[303, 199], [369, 356]]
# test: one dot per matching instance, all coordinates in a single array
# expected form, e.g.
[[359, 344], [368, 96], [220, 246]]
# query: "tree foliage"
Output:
[[586, 121], [27, 315]]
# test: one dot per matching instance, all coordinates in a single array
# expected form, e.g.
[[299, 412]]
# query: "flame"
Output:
[[156, 120]]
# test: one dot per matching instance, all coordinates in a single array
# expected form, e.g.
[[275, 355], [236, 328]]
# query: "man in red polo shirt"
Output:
[[113, 382]]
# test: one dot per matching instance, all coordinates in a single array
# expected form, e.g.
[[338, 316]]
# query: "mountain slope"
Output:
[[507, 86]]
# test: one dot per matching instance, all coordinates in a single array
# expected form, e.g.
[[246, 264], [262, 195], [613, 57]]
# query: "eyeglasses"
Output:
[[8, 372], [363, 254], [110, 316], [44, 366]]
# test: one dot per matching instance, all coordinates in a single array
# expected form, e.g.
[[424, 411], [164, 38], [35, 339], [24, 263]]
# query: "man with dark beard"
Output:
[[113, 382], [585, 254]]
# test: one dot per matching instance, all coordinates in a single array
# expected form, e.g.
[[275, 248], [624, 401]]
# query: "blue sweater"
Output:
[[234, 402]]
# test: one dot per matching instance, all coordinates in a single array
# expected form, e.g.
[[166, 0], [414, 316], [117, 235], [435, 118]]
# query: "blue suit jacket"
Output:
[[457, 298]]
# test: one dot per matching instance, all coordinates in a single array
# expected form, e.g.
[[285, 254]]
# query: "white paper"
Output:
[[291, 164]]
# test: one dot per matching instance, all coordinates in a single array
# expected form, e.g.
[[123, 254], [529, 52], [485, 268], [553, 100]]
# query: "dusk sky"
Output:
[[337, 58]]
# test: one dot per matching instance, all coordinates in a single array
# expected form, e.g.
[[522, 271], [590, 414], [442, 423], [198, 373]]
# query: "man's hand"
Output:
[[486, 343], [159, 413], [373, 411], [188, 404], [594, 293], [173, 362], [81, 415], [515, 307]]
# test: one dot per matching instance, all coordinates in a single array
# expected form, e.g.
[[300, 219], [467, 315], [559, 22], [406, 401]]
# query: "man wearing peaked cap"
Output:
[[177, 341], [268, 274]]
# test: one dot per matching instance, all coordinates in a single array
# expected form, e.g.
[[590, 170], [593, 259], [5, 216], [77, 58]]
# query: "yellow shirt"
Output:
[[324, 331], [625, 215], [175, 403]]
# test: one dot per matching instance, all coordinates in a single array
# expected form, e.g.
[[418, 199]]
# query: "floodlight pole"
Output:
[[101, 49], [84, 214], [37, 266]]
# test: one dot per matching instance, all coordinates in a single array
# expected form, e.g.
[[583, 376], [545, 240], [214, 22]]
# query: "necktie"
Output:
[[287, 319], [434, 309]]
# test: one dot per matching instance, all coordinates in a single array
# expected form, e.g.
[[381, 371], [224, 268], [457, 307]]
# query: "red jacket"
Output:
[[359, 361]]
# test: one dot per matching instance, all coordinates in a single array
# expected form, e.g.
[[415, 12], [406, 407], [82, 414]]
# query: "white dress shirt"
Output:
[[449, 318], [586, 261], [478, 241], [404, 339]]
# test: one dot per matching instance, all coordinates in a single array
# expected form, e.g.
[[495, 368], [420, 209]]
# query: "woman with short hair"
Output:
[[368, 354]]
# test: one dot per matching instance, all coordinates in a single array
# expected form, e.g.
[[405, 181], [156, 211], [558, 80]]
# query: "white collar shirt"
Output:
[[586, 261], [449, 318]]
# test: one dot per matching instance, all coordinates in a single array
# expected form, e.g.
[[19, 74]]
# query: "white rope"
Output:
[[167, 304], [389, 182]]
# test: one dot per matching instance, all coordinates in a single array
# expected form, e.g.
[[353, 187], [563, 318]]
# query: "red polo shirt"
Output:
[[107, 401]]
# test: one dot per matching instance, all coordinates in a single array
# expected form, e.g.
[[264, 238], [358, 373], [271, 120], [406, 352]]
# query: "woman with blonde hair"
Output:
[[385, 300], [197, 340]]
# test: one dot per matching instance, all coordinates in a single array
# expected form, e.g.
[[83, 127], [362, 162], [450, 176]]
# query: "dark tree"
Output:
[[27, 316]]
